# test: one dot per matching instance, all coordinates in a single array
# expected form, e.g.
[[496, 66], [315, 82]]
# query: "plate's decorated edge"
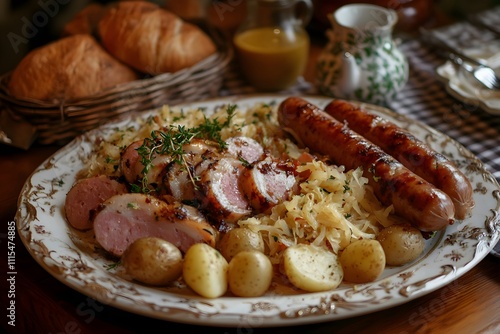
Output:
[[317, 307]]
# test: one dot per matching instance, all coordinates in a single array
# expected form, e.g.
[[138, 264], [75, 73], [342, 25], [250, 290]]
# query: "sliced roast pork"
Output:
[[268, 182], [132, 166], [180, 178], [128, 217], [86, 195], [130, 162], [245, 148], [221, 196]]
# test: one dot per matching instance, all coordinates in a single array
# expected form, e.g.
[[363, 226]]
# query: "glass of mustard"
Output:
[[272, 45]]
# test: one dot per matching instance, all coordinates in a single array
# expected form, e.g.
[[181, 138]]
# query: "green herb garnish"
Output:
[[244, 162], [112, 266], [133, 205], [346, 187], [171, 141]]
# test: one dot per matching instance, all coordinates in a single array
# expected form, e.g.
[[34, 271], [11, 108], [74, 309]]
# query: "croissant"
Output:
[[70, 68], [152, 39]]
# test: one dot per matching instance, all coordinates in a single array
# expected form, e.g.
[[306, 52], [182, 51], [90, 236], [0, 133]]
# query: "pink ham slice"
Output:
[[86, 195], [221, 196], [267, 183], [128, 217]]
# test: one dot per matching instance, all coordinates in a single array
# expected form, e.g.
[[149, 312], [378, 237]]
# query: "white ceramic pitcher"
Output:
[[362, 61]]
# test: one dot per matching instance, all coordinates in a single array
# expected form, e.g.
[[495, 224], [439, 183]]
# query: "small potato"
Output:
[[153, 261], [239, 239], [311, 268], [205, 270], [402, 243], [250, 274], [363, 261]]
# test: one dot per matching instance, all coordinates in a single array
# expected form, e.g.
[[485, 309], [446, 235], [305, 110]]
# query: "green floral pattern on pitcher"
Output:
[[364, 65]]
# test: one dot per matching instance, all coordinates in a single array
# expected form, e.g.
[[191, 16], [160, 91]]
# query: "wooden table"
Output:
[[471, 304]]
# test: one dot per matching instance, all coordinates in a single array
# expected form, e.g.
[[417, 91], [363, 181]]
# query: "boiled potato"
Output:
[[250, 274], [153, 261], [402, 243], [311, 268], [363, 261], [205, 270], [239, 239]]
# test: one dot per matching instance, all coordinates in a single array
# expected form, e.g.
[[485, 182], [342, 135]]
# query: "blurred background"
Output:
[[27, 24]]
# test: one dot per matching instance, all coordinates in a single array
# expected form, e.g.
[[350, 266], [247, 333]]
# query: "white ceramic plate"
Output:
[[66, 255], [463, 86]]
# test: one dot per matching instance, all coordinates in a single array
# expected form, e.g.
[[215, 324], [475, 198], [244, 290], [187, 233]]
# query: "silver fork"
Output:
[[483, 73], [487, 76]]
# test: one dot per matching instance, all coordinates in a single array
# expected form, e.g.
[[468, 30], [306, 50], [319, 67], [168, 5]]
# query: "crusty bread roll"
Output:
[[67, 69], [151, 39], [85, 21]]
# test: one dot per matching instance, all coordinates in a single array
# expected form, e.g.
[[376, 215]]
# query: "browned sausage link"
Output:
[[415, 199], [411, 152]]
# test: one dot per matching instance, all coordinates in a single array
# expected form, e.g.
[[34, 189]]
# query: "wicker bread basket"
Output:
[[58, 123]]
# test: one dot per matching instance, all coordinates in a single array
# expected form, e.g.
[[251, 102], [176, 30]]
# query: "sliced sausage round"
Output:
[[86, 195]]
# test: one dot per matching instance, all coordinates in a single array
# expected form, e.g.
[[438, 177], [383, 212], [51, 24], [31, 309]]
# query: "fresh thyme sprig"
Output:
[[112, 266], [171, 141]]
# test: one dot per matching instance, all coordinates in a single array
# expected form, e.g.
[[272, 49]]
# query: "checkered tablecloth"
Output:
[[425, 98]]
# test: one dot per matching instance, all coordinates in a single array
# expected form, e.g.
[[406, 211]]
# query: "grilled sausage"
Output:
[[411, 152], [414, 199]]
